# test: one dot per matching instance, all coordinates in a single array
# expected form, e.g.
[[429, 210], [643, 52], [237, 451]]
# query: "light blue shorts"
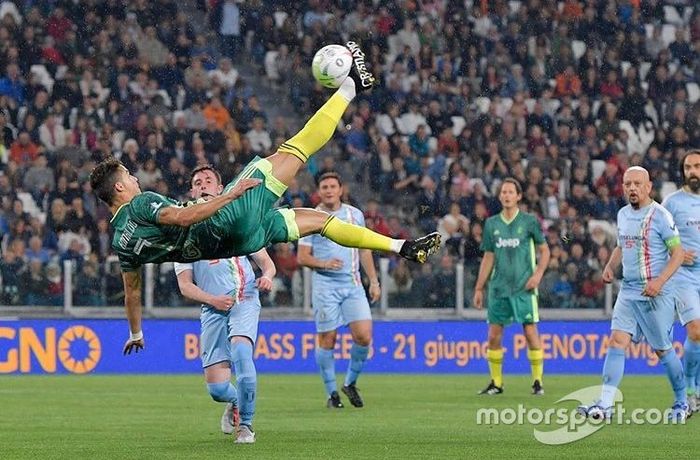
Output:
[[336, 307], [219, 326], [650, 319], [687, 303]]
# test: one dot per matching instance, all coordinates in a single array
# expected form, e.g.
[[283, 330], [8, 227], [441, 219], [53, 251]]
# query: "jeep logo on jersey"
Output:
[[507, 243]]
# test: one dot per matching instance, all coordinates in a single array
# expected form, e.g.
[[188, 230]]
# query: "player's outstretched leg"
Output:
[[246, 378], [294, 152], [674, 371]]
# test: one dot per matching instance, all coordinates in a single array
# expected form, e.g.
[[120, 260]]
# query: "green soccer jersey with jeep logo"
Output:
[[513, 246]]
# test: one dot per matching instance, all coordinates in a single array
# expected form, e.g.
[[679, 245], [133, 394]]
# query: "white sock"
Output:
[[396, 245], [347, 89]]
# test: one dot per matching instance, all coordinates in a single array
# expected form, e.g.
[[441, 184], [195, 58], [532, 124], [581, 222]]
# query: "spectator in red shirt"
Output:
[[611, 86], [57, 25], [568, 83], [23, 151]]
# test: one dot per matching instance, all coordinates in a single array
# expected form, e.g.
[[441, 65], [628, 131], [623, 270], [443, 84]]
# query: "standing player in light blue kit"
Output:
[[228, 290], [645, 305], [684, 205], [338, 297]]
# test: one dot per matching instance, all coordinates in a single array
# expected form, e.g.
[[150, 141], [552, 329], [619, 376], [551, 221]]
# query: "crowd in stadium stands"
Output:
[[561, 95]]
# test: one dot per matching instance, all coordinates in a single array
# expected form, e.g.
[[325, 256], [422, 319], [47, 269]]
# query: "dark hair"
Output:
[[103, 178], [206, 167], [329, 175], [681, 164], [511, 180]]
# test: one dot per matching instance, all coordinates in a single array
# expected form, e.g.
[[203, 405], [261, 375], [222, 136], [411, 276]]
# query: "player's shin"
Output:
[[354, 236], [674, 371], [692, 364], [222, 392], [358, 357], [536, 358], [326, 365], [246, 378], [321, 126], [613, 370], [495, 360]]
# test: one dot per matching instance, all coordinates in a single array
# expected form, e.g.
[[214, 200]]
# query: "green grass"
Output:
[[101, 417]]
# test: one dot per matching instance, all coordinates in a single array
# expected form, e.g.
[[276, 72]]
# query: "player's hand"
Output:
[[134, 345], [478, 300], [608, 275], [221, 302], [533, 282], [653, 288], [375, 291], [333, 264], [688, 257], [264, 284], [242, 186]]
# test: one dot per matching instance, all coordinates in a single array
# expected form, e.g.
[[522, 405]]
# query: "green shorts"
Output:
[[521, 308], [249, 223]]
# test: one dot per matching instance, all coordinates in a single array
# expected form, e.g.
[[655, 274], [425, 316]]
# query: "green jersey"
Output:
[[242, 227], [139, 239], [513, 246]]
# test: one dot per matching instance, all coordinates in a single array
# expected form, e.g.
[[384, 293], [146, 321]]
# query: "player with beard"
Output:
[[684, 206]]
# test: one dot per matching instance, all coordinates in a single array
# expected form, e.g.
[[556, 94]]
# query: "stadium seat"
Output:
[[458, 124], [44, 77], [483, 103], [671, 16], [693, 92], [668, 34], [625, 65], [530, 104], [667, 188], [597, 169], [644, 68], [579, 48], [514, 6]]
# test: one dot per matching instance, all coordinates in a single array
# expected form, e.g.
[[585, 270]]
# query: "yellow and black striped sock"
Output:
[[536, 357], [318, 130], [495, 359]]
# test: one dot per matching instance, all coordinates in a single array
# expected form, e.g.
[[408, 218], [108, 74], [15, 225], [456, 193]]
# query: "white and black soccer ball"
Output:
[[331, 65]]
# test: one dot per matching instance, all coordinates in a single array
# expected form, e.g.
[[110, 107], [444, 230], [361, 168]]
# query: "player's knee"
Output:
[[219, 392], [693, 329], [247, 377], [363, 340], [662, 353]]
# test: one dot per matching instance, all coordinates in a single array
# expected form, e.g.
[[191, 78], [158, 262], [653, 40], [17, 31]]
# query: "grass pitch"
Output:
[[405, 416]]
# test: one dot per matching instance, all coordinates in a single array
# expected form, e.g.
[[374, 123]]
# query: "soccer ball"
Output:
[[331, 65]]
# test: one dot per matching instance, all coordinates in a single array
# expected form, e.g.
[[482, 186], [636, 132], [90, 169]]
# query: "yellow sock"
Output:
[[495, 359], [318, 130], [536, 357], [354, 236]]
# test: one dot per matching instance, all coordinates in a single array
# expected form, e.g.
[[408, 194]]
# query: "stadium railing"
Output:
[[162, 299]]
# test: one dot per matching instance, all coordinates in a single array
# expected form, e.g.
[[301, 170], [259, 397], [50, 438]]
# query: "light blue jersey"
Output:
[[685, 208], [325, 249], [645, 236], [234, 277], [338, 297]]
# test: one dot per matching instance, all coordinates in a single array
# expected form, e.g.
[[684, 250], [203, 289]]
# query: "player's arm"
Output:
[[485, 269], [132, 305], [190, 215], [654, 286], [367, 262], [542, 263], [194, 292], [306, 258], [612, 265], [263, 260]]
